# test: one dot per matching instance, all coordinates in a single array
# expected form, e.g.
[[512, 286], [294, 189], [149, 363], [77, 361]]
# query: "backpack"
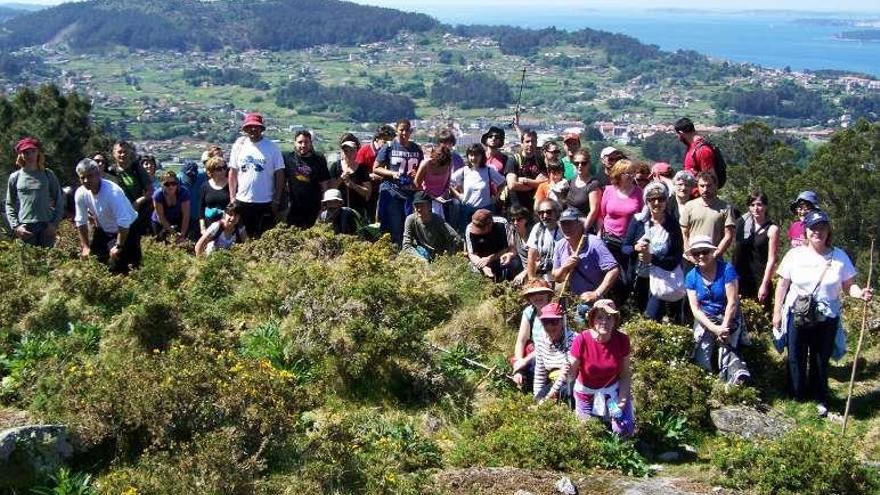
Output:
[[720, 165]]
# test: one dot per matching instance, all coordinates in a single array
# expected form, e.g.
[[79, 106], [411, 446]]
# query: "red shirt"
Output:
[[600, 364], [366, 156], [705, 157]]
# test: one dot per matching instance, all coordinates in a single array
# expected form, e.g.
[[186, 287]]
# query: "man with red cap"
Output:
[[256, 176], [34, 200]]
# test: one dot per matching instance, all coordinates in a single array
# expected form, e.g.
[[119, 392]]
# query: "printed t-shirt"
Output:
[[396, 157], [600, 364], [304, 177], [529, 167], [797, 233], [256, 164]]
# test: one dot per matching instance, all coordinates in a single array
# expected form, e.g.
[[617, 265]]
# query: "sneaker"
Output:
[[822, 410]]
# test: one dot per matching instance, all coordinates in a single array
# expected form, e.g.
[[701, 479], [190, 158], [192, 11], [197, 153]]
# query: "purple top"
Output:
[[173, 213], [595, 262]]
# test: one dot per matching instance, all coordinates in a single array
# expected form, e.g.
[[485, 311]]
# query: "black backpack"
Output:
[[720, 165]]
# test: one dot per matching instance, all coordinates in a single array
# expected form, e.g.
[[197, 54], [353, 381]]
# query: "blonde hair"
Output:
[[41, 160], [214, 163], [621, 167]]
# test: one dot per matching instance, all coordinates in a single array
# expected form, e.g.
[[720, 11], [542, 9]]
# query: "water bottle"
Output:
[[613, 409]]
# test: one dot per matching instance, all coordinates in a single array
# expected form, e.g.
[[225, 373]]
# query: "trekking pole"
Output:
[[564, 286], [852, 376], [522, 82]]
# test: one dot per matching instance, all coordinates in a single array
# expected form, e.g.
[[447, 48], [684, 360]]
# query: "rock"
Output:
[[522, 492], [670, 456], [565, 486], [749, 423], [28, 453]]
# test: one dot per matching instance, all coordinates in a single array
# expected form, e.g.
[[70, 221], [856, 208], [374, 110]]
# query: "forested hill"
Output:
[[187, 25]]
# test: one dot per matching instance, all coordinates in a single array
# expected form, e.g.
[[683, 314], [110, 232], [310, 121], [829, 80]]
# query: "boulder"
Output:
[[28, 453], [751, 424]]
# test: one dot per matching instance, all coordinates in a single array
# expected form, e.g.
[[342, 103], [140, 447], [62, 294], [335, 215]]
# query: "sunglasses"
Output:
[[702, 252], [657, 199], [546, 212], [553, 152], [579, 163]]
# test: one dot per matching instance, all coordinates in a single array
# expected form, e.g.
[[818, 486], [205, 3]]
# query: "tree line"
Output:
[[359, 104]]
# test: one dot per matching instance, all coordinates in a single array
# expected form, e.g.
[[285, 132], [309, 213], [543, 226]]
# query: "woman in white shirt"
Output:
[[824, 272]]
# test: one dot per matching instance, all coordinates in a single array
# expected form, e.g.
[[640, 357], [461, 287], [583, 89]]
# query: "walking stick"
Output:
[[519, 99], [852, 376], [564, 286]]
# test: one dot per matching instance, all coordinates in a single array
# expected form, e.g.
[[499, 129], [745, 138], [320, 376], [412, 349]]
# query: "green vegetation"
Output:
[[359, 104], [470, 90], [61, 122], [288, 364], [209, 26]]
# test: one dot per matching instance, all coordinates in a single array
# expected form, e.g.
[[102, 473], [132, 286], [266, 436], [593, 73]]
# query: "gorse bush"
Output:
[[515, 432], [138, 400], [806, 460], [363, 451]]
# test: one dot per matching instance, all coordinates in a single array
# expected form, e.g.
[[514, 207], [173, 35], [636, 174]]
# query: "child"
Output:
[[223, 234]]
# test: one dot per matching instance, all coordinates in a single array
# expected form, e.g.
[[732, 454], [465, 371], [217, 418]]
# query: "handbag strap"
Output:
[[816, 288]]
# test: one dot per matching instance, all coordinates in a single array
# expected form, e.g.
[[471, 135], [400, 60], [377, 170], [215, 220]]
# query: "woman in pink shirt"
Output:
[[433, 177], [621, 200], [601, 370]]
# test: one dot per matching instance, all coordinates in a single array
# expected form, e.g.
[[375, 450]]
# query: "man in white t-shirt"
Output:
[[256, 176], [542, 240], [98, 198]]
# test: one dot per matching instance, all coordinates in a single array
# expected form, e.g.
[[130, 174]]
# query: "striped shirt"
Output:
[[551, 357]]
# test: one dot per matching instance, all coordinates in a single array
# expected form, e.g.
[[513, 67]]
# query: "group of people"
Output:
[[634, 234]]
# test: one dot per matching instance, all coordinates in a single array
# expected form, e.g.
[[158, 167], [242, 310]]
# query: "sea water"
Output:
[[770, 39]]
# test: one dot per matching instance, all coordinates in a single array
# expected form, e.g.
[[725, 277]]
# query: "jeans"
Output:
[[392, 211], [39, 237], [809, 352], [657, 308]]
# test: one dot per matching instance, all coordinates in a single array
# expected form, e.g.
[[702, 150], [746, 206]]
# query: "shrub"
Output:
[[515, 432], [805, 460], [215, 462], [667, 394], [652, 341], [139, 400], [363, 451]]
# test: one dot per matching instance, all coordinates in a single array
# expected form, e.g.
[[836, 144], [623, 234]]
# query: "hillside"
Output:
[[187, 25]]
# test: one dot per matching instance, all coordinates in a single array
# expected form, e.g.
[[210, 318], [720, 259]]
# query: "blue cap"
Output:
[[815, 217], [808, 196], [570, 214]]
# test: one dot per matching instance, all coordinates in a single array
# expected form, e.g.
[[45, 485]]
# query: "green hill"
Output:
[[187, 25]]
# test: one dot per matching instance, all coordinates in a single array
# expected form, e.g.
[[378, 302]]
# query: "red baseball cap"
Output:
[[571, 136], [253, 119], [27, 143], [661, 168]]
